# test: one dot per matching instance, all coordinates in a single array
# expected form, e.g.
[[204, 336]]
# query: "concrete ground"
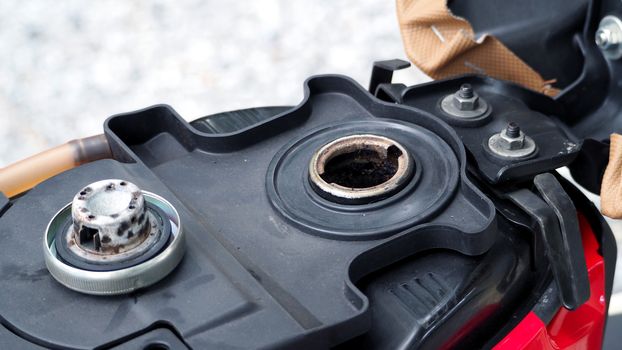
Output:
[[68, 65]]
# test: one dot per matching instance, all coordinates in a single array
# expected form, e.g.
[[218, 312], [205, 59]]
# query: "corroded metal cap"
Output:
[[113, 238], [110, 220]]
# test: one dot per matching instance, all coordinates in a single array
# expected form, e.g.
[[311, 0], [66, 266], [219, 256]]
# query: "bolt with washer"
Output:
[[464, 103], [511, 142], [512, 138], [465, 99], [608, 37]]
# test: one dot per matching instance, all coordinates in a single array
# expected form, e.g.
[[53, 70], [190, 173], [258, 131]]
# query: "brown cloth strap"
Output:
[[611, 187], [444, 45]]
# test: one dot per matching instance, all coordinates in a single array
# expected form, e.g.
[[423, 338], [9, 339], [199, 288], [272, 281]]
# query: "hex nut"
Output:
[[506, 147], [466, 104], [511, 143]]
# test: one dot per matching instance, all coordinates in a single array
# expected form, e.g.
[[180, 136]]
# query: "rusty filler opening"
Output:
[[360, 169]]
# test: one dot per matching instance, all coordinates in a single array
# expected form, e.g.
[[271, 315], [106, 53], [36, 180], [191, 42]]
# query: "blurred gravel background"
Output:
[[67, 65]]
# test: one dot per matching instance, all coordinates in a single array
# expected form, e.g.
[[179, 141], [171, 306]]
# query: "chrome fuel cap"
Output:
[[112, 239]]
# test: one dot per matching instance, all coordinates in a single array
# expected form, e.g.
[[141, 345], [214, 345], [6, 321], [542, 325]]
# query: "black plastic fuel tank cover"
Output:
[[266, 256]]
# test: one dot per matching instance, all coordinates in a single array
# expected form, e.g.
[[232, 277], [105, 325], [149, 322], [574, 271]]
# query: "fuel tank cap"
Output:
[[113, 238]]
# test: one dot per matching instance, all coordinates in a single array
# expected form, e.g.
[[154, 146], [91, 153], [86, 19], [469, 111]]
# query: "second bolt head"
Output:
[[465, 104], [511, 143]]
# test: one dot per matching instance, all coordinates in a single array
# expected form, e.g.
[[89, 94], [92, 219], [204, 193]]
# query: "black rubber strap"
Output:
[[555, 218]]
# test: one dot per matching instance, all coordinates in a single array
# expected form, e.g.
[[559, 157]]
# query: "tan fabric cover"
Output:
[[611, 187], [443, 45]]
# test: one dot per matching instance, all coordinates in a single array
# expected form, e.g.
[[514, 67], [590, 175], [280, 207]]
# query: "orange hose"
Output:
[[25, 174]]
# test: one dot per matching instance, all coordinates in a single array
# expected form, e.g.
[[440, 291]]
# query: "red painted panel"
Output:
[[581, 329]]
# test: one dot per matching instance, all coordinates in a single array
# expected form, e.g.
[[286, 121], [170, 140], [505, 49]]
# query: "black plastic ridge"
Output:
[[382, 72]]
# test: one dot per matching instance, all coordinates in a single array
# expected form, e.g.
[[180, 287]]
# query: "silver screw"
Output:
[[608, 37], [512, 130], [603, 38], [466, 91]]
